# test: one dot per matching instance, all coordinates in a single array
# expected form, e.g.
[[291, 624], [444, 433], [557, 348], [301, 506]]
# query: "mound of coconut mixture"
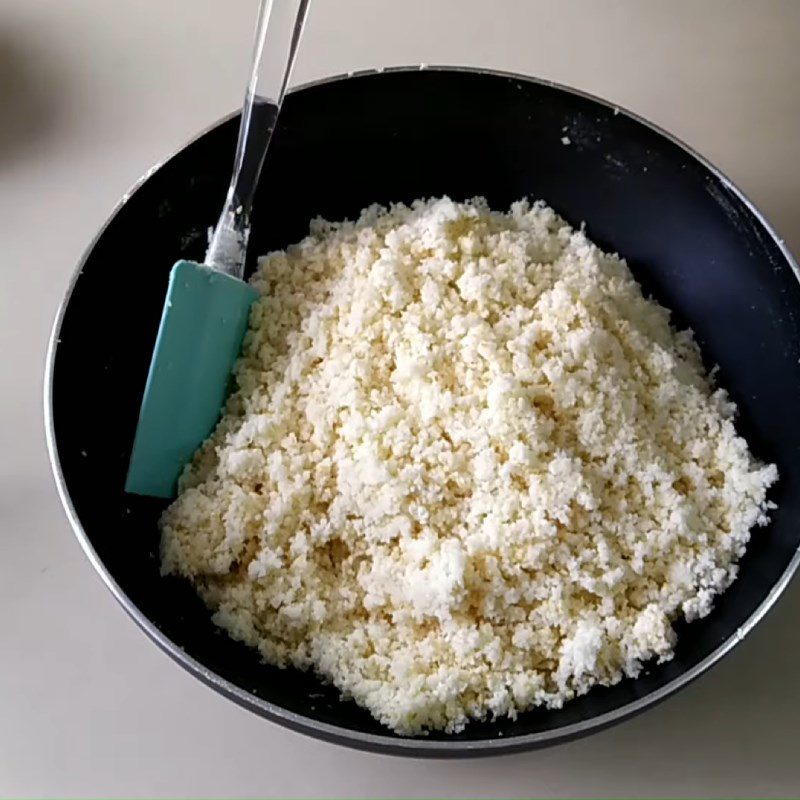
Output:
[[468, 468]]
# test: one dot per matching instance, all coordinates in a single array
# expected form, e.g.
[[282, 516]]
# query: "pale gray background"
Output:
[[92, 92]]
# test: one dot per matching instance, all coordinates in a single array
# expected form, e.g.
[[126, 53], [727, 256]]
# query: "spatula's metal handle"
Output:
[[278, 30]]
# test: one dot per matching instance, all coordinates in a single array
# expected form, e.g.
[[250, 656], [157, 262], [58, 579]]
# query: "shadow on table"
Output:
[[33, 96]]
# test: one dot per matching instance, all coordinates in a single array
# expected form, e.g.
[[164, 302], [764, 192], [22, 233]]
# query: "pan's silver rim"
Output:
[[388, 743]]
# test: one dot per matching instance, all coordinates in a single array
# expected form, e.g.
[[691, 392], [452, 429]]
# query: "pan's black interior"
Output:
[[690, 240]]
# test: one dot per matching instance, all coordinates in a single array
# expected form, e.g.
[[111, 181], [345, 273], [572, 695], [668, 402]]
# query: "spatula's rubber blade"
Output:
[[202, 326]]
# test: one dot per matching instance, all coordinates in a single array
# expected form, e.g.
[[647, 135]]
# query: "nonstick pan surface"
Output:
[[691, 238]]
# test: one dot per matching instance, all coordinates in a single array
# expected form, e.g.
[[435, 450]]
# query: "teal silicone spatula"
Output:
[[207, 305]]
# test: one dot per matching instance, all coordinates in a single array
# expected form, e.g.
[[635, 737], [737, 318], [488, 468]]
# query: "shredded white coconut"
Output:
[[468, 468]]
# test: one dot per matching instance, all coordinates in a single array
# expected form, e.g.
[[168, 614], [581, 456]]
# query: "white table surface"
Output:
[[92, 92]]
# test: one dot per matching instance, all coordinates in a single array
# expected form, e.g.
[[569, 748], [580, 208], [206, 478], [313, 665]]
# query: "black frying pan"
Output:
[[691, 239]]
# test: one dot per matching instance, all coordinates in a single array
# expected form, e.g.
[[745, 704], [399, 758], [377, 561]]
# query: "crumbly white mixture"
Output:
[[468, 469]]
